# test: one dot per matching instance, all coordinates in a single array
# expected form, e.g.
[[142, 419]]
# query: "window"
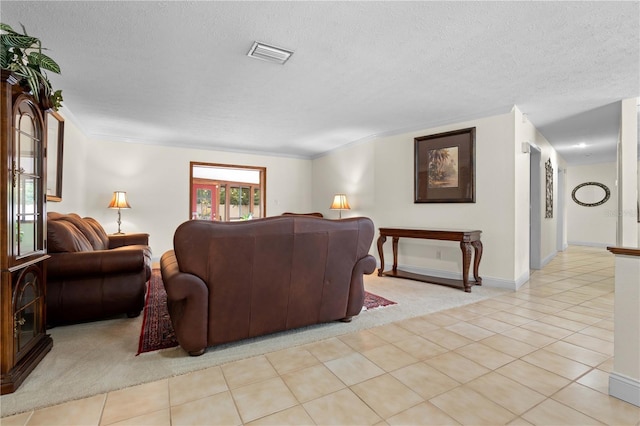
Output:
[[226, 192]]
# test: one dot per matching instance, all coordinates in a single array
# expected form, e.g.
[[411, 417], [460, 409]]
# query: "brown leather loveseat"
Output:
[[228, 281], [92, 275]]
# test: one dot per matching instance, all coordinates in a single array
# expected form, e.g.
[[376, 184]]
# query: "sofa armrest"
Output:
[[366, 265], [188, 303], [120, 240], [99, 262]]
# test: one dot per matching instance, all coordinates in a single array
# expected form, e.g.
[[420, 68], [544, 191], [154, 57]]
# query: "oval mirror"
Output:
[[590, 194]]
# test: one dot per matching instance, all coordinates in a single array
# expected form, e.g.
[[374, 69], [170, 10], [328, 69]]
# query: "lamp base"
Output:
[[119, 222]]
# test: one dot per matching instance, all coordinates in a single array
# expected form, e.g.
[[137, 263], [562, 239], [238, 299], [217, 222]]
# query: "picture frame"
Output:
[[604, 199], [548, 209], [445, 167], [54, 124]]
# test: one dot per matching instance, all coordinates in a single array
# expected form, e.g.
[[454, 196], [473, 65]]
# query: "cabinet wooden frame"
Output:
[[23, 338]]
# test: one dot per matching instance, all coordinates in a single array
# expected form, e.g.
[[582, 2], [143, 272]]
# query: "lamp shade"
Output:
[[340, 202], [119, 201]]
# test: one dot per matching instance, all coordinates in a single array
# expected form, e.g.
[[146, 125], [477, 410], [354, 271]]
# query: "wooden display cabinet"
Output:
[[23, 254]]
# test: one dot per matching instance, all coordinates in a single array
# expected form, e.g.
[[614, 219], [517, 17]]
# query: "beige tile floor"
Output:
[[538, 356]]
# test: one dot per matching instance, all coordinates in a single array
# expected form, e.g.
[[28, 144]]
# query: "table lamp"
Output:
[[119, 201], [340, 203]]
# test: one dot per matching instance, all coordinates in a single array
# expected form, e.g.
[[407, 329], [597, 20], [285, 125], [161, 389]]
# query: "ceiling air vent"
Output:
[[269, 53]]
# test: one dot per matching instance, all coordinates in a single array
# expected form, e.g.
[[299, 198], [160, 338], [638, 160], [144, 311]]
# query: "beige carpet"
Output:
[[88, 359]]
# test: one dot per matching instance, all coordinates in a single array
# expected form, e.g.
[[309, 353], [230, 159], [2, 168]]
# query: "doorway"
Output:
[[535, 208], [560, 209]]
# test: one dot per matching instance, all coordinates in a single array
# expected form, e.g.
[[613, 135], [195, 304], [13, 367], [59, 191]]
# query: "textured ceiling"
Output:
[[176, 72]]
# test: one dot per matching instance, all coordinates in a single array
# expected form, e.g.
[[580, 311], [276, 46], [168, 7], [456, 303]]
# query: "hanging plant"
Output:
[[22, 54]]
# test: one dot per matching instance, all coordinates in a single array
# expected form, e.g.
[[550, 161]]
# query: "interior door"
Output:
[[204, 202]]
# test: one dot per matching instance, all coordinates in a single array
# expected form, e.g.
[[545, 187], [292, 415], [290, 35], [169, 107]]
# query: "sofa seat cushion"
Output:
[[122, 260]]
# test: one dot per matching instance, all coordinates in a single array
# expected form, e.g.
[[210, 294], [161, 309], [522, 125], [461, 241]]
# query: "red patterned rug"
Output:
[[157, 331]]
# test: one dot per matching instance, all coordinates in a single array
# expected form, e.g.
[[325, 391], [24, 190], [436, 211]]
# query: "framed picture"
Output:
[[445, 167], [55, 141]]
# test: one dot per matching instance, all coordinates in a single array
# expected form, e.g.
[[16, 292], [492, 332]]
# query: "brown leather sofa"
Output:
[[92, 275], [228, 281]]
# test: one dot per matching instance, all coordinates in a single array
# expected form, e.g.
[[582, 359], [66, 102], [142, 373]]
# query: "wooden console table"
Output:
[[468, 239]]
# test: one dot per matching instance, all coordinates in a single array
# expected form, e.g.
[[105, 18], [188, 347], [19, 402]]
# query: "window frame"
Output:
[[262, 187]]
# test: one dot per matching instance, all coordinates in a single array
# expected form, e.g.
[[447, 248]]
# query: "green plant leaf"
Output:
[[56, 99], [22, 54], [5, 57], [7, 28], [36, 68], [44, 61], [19, 40], [32, 81], [35, 80]]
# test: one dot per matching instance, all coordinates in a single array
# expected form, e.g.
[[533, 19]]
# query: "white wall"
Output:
[[524, 132], [592, 226], [350, 171], [628, 229], [624, 379], [549, 225], [378, 175], [156, 179]]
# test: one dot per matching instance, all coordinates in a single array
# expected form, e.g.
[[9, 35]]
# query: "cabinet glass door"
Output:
[[27, 182], [27, 313]]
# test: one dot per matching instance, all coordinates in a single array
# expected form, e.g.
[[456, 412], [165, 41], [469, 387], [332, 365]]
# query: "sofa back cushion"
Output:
[[102, 240], [71, 233], [275, 273], [64, 237], [95, 235]]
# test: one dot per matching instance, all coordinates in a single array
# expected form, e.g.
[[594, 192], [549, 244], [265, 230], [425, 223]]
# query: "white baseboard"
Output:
[[522, 280], [624, 388], [590, 244], [548, 259]]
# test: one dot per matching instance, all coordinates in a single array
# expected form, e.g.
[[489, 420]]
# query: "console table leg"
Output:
[[466, 262], [395, 254], [477, 247], [381, 241]]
